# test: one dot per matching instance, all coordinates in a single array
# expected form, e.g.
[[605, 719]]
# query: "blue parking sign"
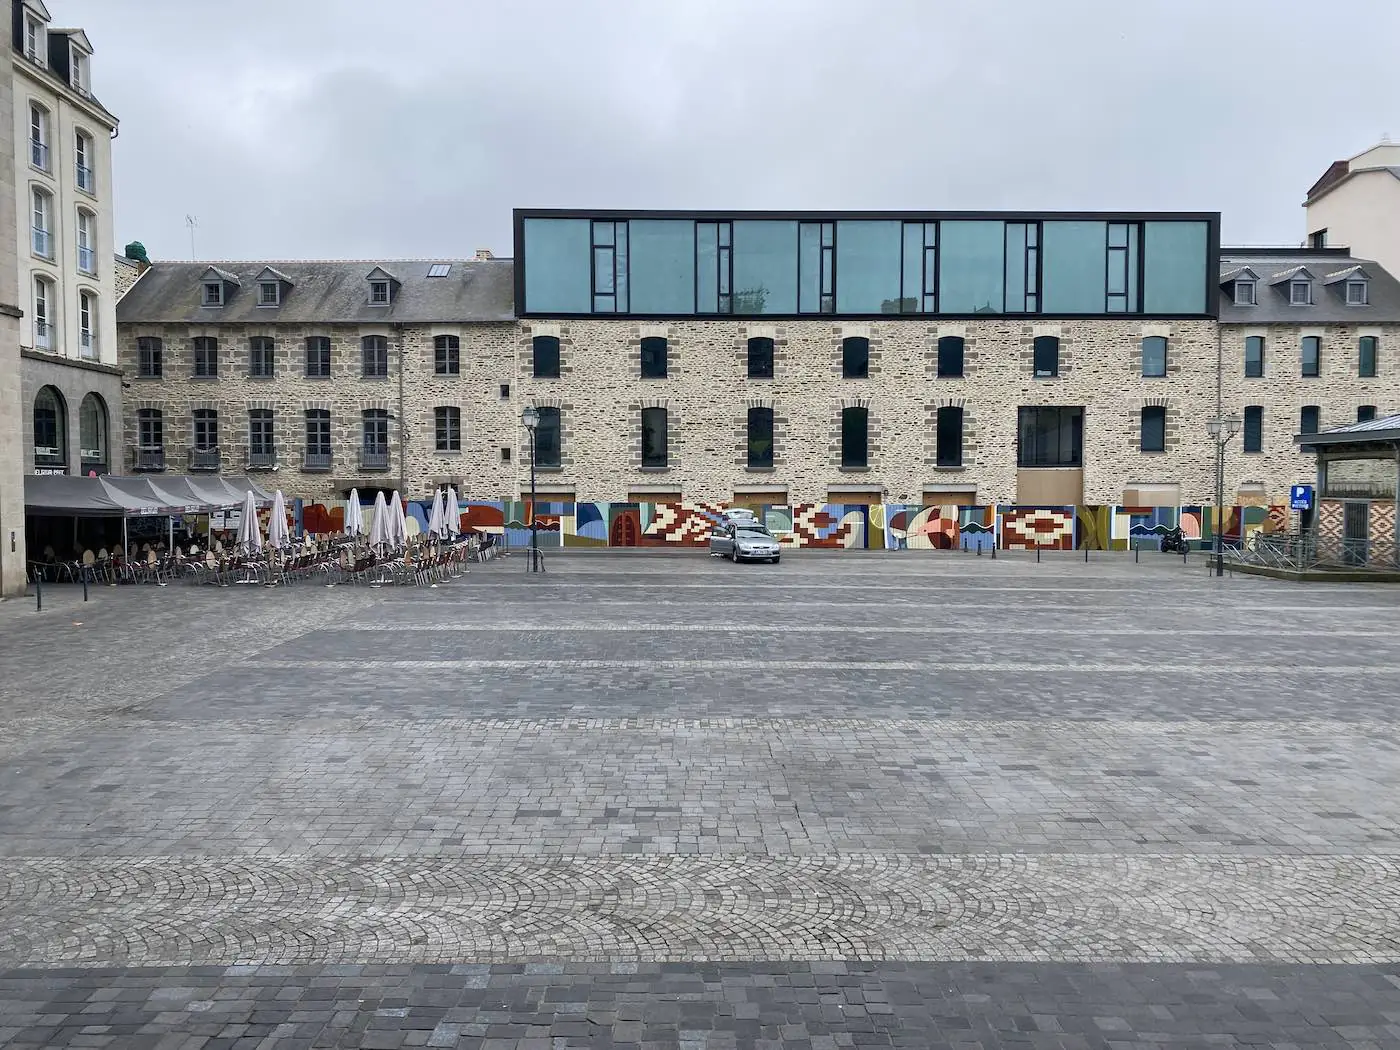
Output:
[[1300, 497]]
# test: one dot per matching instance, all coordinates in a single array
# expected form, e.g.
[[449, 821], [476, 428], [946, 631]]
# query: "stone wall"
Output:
[[74, 381], [125, 274], [12, 549]]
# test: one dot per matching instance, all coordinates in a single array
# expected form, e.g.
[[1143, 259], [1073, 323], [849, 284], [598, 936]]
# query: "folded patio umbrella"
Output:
[[379, 522], [454, 517], [277, 534], [435, 525], [249, 535], [354, 516], [400, 521]]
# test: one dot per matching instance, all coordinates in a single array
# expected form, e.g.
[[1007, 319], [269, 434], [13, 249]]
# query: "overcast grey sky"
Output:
[[409, 129]]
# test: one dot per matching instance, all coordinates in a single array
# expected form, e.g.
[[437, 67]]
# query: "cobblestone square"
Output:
[[671, 802]]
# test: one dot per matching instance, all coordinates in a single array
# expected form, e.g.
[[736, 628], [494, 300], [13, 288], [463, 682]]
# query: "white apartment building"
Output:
[[63, 200], [1356, 203]]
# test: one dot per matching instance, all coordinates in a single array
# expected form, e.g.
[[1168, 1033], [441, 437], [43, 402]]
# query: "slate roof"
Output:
[[1275, 265], [474, 291], [1385, 429]]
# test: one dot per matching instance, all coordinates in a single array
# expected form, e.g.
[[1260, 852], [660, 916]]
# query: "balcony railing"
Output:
[[374, 459], [262, 459], [39, 154], [43, 335], [86, 179], [205, 459], [149, 457], [48, 456], [87, 260], [43, 243], [87, 344], [316, 462]]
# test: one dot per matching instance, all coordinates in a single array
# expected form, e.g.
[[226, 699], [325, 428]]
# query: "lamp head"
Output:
[[530, 418]]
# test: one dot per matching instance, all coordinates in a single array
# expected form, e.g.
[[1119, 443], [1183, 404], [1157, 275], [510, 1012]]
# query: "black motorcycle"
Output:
[[1174, 541]]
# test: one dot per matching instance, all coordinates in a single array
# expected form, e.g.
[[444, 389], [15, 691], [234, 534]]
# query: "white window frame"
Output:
[[41, 221], [1245, 293], [82, 162], [40, 154], [213, 293], [276, 299], [36, 45], [79, 75], [43, 313], [1357, 285], [1293, 287], [376, 289], [86, 242], [87, 334]]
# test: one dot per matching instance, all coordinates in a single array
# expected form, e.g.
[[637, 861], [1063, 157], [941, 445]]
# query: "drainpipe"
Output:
[[403, 422]]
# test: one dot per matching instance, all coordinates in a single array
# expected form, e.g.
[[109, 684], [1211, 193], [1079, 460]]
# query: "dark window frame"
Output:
[[206, 356], [549, 438], [1253, 434], [318, 431], [541, 347], [655, 458], [50, 430], [1311, 344], [447, 428], [855, 438], [653, 350], [1123, 260], [948, 436], [204, 430], [761, 354], [855, 357], [150, 357], [318, 357], [924, 298], [1365, 413], [262, 432], [759, 438], [447, 355], [1310, 419], [610, 261], [1157, 342], [1043, 420], [262, 357], [1152, 429], [723, 238], [826, 266], [150, 428], [1368, 353], [951, 353], [374, 431], [374, 357], [1254, 365], [1044, 366]]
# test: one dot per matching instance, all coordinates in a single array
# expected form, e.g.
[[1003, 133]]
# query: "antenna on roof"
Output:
[[192, 221]]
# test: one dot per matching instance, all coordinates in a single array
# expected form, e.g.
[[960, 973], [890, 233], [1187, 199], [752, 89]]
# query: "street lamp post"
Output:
[[1221, 429], [530, 419]]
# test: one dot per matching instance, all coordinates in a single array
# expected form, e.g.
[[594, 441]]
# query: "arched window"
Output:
[[42, 221], [38, 136], [760, 358], [855, 437], [92, 434], [45, 309], [855, 357], [87, 324], [545, 350], [87, 241], [50, 431]]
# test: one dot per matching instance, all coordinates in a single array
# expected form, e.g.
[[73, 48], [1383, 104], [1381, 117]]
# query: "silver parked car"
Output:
[[744, 540]]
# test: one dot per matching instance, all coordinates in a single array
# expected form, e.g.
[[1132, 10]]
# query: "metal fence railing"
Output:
[[1299, 551]]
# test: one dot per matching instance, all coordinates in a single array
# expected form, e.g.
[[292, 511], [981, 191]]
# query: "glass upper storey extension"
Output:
[[864, 265]]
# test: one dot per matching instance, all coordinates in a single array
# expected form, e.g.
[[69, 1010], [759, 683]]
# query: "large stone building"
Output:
[[63, 188], [12, 546], [967, 359]]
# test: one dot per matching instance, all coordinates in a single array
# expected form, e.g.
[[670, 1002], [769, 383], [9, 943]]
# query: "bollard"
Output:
[[979, 548], [1086, 555], [38, 595], [1037, 555], [1137, 554], [1185, 548], [84, 586], [994, 552]]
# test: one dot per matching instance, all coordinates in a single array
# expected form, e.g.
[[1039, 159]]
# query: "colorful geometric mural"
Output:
[[1037, 528]]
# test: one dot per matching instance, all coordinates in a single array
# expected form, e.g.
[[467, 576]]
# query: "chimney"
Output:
[[483, 253]]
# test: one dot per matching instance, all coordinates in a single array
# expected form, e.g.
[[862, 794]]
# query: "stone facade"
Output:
[[410, 392], [75, 382], [12, 546], [125, 273]]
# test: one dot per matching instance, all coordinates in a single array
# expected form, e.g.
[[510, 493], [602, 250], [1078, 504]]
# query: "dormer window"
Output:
[[78, 70], [213, 293], [379, 293], [1244, 293], [382, 286], [36, 45], [1300, 293], [1356, 293], [269, 293]]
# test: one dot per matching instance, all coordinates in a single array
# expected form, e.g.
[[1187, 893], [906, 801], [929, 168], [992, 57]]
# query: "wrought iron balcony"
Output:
[[316, 462], [205, 459], [262, 459], [149, 457], [374, 459]]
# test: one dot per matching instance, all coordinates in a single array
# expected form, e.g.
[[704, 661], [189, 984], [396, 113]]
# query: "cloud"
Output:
[[328, 128]]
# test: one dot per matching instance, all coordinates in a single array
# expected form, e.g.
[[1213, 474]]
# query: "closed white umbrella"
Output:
[[398, 527], [249, 535], [379, 522], [454, 518], [354, 516], [435, 516], [277, 534]]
